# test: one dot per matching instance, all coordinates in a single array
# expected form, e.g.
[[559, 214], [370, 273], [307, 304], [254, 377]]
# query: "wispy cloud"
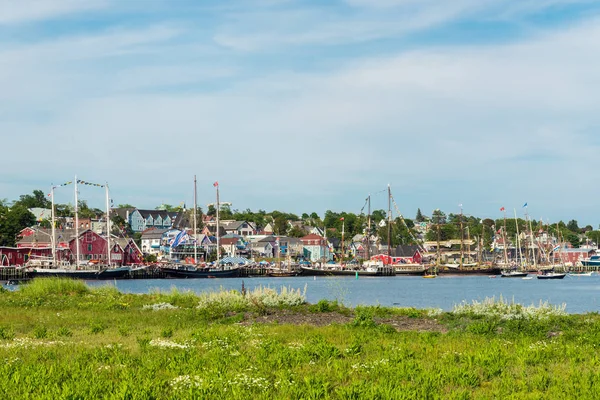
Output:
[[20, 11]]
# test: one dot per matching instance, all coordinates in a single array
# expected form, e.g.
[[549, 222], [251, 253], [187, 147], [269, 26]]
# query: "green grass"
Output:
[[61, 339]]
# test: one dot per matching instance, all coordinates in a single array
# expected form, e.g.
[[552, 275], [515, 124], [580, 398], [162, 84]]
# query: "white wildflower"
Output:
[[159, 307], [167, 344]]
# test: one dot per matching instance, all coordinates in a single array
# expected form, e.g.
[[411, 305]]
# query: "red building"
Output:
[[93, 247]]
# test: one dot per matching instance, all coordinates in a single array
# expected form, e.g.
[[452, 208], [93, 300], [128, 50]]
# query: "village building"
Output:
[[316, 248]]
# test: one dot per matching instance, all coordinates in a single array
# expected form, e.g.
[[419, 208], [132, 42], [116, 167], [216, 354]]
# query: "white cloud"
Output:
[[439, 123]]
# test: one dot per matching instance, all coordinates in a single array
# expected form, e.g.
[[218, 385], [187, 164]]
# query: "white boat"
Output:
[[575, 273]]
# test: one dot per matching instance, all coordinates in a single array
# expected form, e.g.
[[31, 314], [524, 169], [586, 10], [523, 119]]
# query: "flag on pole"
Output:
[[525, 205], [502, 209], [556, 247], [341, 219], [216, 184]]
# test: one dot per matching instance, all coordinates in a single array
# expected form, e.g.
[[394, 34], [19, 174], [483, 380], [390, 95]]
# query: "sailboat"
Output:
[[468, 267], [512, 270], [50, 267], [193, 270]]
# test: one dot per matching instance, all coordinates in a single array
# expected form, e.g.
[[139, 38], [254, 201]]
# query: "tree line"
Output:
[[14, 216]]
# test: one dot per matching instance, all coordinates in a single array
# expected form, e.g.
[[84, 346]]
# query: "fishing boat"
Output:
[[339, 269], [593, 261], [549, 274]]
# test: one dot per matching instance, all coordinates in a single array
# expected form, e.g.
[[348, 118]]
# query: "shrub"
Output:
[[6, 333], [64, 331], [502, 309], [40, 332]]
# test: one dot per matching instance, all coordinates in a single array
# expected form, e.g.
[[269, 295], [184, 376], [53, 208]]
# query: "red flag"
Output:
[[341, 219], [502, 209], [216, 184]]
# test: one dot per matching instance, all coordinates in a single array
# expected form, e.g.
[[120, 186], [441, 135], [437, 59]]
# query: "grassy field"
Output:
[[62, 340]]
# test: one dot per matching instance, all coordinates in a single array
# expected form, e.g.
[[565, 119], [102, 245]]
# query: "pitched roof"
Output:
[[229, 241], [406, 250], [154, 213], [154, 233], [45, 234], [312, 236], [236, 225]]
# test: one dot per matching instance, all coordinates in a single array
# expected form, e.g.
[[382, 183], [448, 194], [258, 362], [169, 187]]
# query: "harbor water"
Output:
[[580, 293]]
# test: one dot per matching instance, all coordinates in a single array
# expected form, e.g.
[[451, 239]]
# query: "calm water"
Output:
[[581, 294]]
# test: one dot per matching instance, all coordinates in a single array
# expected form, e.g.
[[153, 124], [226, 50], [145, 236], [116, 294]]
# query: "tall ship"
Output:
[[192, 268], [80, 269]]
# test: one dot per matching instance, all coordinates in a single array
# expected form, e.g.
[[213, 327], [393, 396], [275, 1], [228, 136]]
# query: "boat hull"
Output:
[[470, 271], [337, 272], [200, 273], [551, 276], [514, 274], [409, 270]]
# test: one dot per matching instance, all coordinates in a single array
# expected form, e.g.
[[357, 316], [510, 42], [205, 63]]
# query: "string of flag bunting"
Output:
[[89, 183], [63, 184]]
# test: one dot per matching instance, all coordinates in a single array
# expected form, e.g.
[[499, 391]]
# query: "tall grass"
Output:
[[90, 348], [54, 286]]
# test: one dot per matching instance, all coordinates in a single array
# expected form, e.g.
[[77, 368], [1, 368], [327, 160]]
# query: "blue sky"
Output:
[[306, 106]]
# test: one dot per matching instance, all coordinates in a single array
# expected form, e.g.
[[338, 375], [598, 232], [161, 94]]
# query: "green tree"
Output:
[[37, 199], [593, 236], [12, 221], [280, 225], [419, 217], [573, 226], [438, 217], [296, 232]]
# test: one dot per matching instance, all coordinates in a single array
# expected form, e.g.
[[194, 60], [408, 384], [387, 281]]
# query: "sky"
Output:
[[306, 106]]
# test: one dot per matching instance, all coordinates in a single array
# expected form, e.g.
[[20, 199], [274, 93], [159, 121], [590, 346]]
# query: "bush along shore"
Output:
[[61, 339]]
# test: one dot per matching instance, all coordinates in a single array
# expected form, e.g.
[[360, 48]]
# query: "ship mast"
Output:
[[76, 224], [195, 229], [342, 256], [462, 237], [518, 239], [369, 228], [504, 240], [107, 225]]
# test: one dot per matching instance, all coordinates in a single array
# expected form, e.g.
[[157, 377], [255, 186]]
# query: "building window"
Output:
[[89, 247]]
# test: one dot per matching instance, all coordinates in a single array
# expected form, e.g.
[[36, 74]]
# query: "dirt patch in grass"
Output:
[[287, 317]]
